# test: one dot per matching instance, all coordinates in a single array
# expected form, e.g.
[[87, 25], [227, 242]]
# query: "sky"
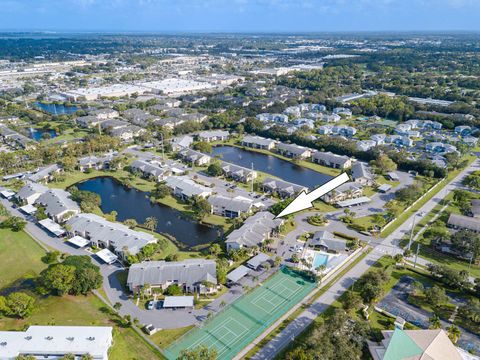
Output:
[[240, 15]]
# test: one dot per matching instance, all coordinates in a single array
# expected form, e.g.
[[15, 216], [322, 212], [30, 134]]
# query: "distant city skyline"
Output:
[[240, 15]]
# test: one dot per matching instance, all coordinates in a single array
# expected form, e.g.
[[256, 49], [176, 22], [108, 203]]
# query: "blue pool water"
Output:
[[320, 259]]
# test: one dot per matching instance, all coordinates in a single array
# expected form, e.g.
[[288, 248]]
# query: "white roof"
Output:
[[178, 301], [28, 209], [7, 193], [238, 273], [352, 202], [56, 340], [107, 256], [79, 241], [257, 260], [52, 226]]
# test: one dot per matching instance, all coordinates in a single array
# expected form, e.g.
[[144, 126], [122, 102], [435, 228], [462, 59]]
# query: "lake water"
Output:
[[135, 204], [56, 109], [271, 165], [37, 134]]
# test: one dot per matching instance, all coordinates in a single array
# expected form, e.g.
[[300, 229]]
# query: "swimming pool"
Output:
[[319, 260]]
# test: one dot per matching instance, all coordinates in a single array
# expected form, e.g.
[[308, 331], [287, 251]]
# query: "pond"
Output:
[[38, 134], [56, 109], [135, 204], [271, 165]]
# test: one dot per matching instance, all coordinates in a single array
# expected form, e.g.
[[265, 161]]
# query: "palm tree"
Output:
[[151, 223], [453, 333], [222, 303], [435, 322]]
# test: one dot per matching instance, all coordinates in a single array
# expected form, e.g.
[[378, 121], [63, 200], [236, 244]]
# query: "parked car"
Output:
[[150, 329], [150, 305]]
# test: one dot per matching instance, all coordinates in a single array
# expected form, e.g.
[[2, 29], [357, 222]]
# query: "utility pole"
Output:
[[416, 255], [411, 232], [163, 151], [252, 177]]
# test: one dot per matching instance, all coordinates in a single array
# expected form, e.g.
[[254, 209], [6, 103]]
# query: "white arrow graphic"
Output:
[[304, 201]]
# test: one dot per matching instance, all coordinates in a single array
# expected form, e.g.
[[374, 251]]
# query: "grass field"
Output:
[[20, 257], [21, 261], [245, 319], [406, 214]]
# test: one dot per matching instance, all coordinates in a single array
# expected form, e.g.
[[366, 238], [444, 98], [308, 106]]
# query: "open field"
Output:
[[21, 257], [21, 260]]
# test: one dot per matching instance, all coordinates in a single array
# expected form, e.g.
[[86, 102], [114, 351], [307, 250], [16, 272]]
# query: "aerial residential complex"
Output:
[[181, 196]]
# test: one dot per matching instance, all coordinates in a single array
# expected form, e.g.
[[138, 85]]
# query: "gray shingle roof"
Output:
[[255, 229], [327, 240], [283, 186], [114, 234], [231, 204], [330, 157], [57, 201], [360, 170], [30, 189], [189, 272], [44, 172], [464, 222]]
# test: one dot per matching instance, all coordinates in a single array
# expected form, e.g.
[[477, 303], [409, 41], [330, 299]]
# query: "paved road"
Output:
[[159, 318], [388, 245]]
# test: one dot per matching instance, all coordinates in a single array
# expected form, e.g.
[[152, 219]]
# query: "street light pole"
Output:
[[411, 232]]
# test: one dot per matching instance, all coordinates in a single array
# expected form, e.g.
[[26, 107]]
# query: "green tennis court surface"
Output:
[[246, 318]]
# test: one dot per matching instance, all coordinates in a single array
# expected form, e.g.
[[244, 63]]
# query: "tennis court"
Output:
[[246, 318]]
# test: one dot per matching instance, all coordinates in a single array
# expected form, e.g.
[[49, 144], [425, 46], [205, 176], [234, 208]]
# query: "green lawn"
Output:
[[20, 257], [406, 214], [165, 337]]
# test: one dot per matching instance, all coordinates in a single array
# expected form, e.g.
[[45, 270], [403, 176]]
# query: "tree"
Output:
[[351, 300], [86, 357], [214, 169], [131, 223], [58, 278], [51, 257], [161, 191], [117, 306], [384, 164], [203, 147], [14, 223], [68, 357], [372, 285], [435, 322], [20, 304], [87, 275], [151, 223], [215, 249], [435, 295], [453, 333], [201, 207], [199, 353], [173, 290]]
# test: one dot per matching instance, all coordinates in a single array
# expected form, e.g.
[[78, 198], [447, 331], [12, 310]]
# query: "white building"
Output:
[[53, 342]]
